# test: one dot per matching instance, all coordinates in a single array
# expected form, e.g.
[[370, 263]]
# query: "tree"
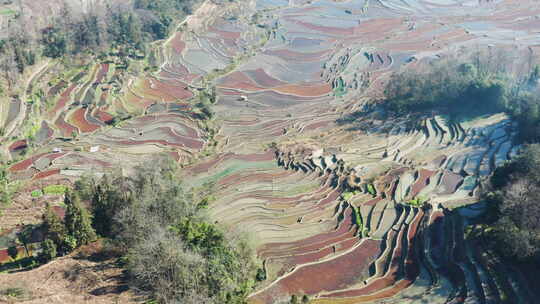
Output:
[[172, 251], [107, 198], [77, 220], [13, 252], [53, 228], [514, 202], [54, 42], [48, 250]]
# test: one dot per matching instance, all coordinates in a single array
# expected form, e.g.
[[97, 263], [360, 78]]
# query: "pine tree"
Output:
[[78, 220], [48, 250], [53, 228]]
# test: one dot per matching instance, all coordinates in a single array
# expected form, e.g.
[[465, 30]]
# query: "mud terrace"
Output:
[[332, 204]]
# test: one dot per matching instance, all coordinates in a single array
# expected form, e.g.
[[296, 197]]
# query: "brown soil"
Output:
[[74, 279]]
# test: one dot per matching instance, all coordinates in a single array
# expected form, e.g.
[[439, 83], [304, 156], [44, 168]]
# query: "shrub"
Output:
[[513, 200], [36, 193], [14, 292], [371, 189], [261, 274], [13, 252], [448, 87], [172, 252], [55, 190], [48, 250], [78, 221]]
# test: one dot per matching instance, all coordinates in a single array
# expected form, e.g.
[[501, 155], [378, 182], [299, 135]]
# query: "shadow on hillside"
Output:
[[374, 120]]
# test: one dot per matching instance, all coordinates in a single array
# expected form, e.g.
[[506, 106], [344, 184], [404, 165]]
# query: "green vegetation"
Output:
[[7, 12], [339, 87], [171, 251], [359, 222], [449, 87], [104, 29], [36, 193], [7, 187], [14, 294], [371, 189], [206, 98], [78, 221], [468, 88], [63, 236], [416, 202], [514, 228], [55, 190]]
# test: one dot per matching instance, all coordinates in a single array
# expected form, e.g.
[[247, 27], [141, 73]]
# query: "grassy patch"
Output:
[[359, 222], [339, 88], [416, 202], [7, 12], [349, 194], [371, 189], [36, 193], [55, 190]]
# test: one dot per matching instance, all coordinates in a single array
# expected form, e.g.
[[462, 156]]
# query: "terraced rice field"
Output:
[[330, 205]]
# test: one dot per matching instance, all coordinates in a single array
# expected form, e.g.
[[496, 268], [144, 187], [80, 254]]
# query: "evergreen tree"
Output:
[[78, 220], [53, 228], [48, 250]]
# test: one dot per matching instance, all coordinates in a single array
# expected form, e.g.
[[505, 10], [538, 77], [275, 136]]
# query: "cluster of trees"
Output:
[[172, 252], [121, 26], [125, 27], [446, 86], [207, 97], [476, 86], [8, 187], [480, 85], [63, 236], [513, 200], [525, 107]]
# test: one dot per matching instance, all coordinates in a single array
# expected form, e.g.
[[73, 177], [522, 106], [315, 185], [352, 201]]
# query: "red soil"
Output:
[[25, 164], [263, 79], [411, 272], [375, 29], [20, 144], [316, 125], [423, 177], [45, 174], [46, 127], [78, 118], [102, 72], [204, 167], [103, 116], [337, 273], [4, 255], [325, 29], [242, 122], [298, 56], [225, 34], [450, 181], [64, 98], [312, 243], [320, 253], [307, 90], [182, 142], [65, 128], [238, 80], [177, 44]]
